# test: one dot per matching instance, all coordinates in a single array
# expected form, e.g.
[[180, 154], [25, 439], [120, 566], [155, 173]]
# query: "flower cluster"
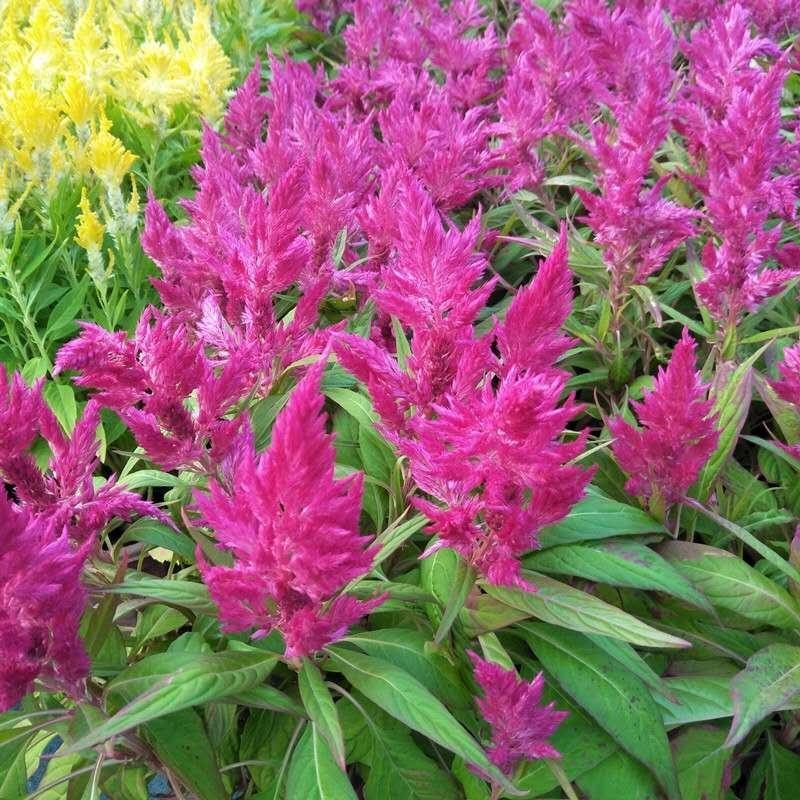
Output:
[[293, 531], [479, 418], [665, 456], [731, 117], [521, 726], [48, 530], [63, 64]]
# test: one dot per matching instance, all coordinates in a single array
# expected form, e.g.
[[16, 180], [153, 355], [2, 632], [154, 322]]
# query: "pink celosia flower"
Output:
[[148, 380], [65, 494], [478, 418], [731, 117], [493, 459], [547, 88], [636, 228], [521, 725], [788, 387], [531, 337], [664, 457], [41, 603], [293, 531]]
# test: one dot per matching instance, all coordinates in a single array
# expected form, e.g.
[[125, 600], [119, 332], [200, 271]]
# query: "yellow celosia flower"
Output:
[[89, 230], [204, 63], [63, 62], [107, 156], [79, 104]]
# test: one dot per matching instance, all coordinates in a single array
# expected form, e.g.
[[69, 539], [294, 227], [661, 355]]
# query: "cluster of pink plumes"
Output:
[[363, 187]]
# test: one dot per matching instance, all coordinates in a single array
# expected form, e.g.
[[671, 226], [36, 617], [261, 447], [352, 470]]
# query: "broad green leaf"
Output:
[[730, 583], [187, 594], [561, 604], [770, 682], [266, 738], [618, 701], [198, 680], [152, 532], [146, 478], [356, 405], [266, 697], [182, 744], [782, 772], [701, 758], [157, 620], [634, 663], [438, 573], [398, 769], [599, 517], [619, 563], [619, 776], [406, 648], [485, 614], [406, 699], [313, 772], [697, 698], [321, 709]]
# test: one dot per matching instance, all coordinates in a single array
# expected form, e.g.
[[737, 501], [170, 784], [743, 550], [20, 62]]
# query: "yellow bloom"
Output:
[[79, 104], [203, 62], [107, 156], [89, 228]]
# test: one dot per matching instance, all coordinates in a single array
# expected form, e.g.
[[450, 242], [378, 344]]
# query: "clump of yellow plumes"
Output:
[[65, 63]]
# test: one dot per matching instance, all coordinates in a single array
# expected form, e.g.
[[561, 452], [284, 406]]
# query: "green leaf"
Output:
[[731, 405], [197, 680], [698, 698], [619, 563], [406, 699], [321, 709], [157, 620], [618, 701], [186, 594], [356, 405], [152, 532], [181, 743], [701, 758], [619, 776], [598, 517], [398, 769], [407, 649], [266, 697], [782, 772], [730, 583], [770, 682], [313, 773], [560, 604]]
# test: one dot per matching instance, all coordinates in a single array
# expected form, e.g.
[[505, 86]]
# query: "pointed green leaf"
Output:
[[619, 702]]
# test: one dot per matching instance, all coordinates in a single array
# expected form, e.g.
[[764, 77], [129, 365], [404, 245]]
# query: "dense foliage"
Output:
[[434, 431]]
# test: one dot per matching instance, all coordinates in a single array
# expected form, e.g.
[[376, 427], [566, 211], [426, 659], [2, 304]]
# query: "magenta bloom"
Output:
[[731, 118], [479, 418], [678, 435], [41, 603], [64, 495], [147, 380], [788, 387], [521, 726], [293, 531]]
